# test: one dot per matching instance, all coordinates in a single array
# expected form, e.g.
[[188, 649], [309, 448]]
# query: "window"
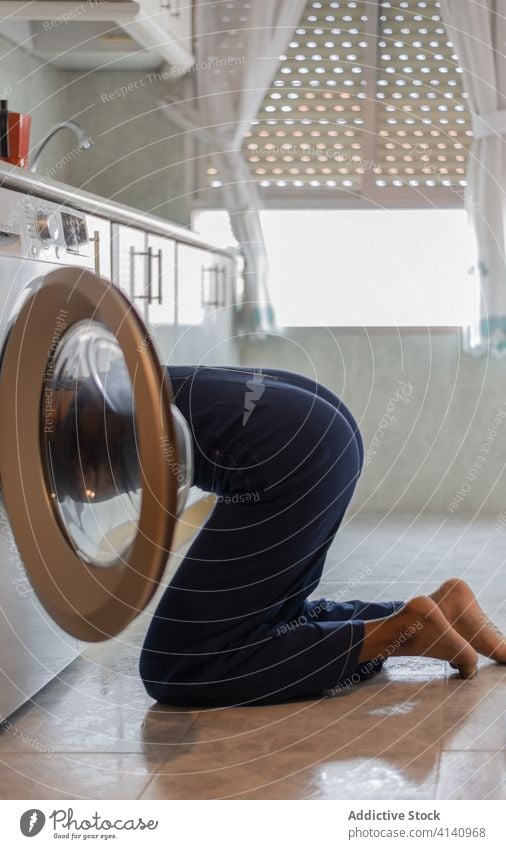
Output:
[[359, 151], [342, 268], [367, 109]]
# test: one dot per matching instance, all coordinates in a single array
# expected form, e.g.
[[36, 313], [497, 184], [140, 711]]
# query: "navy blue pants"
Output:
[[283, 455]]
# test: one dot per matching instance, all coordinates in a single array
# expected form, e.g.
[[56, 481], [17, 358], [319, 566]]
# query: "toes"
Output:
[[468, 673], [465, 670]]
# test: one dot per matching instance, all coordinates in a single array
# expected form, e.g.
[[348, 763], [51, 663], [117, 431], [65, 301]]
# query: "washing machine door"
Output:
[[88, 453]]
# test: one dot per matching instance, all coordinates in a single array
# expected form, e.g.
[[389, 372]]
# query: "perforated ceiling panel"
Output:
[[362, 104], [310, 127], [423, 124]]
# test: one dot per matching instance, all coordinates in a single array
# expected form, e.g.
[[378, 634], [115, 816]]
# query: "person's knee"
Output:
[[156, 675], [343, 409], [339, 458]]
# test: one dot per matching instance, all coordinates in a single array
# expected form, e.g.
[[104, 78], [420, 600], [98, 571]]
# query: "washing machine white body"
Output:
[[83, 542]]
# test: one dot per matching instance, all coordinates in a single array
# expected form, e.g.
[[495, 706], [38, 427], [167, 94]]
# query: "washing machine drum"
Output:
[[95, 460], [91, 446]]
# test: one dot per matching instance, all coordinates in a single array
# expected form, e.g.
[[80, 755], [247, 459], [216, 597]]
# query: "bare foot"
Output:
[[457, 602], [419, 629]]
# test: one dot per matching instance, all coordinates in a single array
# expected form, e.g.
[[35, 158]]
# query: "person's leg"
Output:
[[326, 609], [222, 631], [419, 628]]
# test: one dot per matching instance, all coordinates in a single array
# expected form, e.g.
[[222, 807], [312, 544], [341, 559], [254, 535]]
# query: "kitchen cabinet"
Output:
[[161, 304], [193, 278], [130, 265], [203, 283], [204, 306], [192, 341], [161, 258], [99, 236], [220, 320], [186, 294]]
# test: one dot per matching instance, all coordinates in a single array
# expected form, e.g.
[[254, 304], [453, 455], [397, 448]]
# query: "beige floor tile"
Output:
[[98, 704], [379, 740], [74, 776], [475, 715], [95, 733], [94, 708], [288, 776], [373, 719], [472, 775]]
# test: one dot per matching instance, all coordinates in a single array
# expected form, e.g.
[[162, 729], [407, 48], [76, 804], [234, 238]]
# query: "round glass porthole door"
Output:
[[84, 427], [90, 443]]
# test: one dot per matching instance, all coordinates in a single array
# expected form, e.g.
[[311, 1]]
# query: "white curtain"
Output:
[[477, 29], [238, 45]]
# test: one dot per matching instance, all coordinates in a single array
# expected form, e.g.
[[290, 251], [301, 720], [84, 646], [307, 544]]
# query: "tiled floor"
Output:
[[415, 731]]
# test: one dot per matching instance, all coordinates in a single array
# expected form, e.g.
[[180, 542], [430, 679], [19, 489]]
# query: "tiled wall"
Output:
[[432, 418], [137, 154], [31, 86]]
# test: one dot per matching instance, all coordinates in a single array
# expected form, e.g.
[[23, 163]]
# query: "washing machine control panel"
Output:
[[55, 233]]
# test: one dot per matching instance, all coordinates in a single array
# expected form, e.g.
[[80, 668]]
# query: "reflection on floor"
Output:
[[416, 731]]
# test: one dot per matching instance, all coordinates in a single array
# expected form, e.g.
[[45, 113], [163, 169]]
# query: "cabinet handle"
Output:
[[214, 298], [95, 241], [133, 255], [149, 254], [222, 287], [158, 256], [158, 297]]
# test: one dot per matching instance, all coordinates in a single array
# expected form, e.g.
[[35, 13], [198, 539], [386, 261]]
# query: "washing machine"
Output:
[[95, 461]]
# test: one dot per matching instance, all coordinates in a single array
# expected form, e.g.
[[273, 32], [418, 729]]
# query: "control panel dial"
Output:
[[47, 226]]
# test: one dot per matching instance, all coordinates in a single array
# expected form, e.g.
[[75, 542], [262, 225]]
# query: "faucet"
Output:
[[84, 140]]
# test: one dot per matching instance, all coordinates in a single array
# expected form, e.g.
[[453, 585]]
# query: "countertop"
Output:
[[22, 180]]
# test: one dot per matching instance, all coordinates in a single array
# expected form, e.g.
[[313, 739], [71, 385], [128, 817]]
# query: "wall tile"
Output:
[[421, 448]]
